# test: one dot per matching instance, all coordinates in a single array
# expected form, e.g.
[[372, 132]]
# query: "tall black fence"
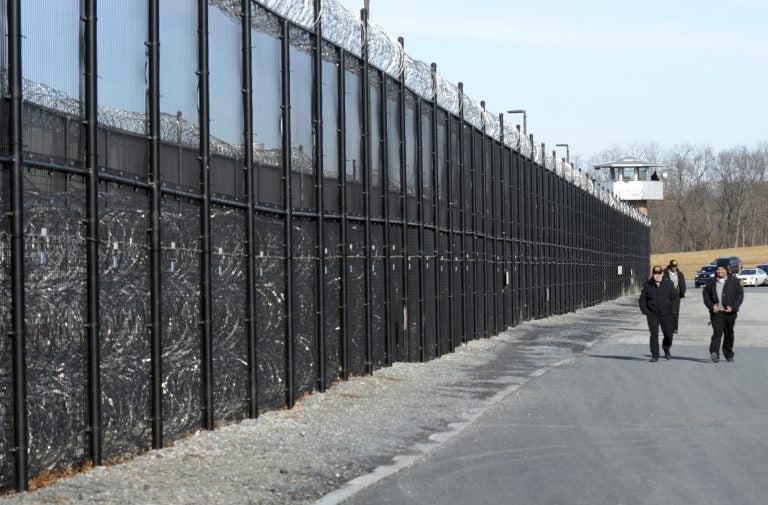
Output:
[[279, 215]]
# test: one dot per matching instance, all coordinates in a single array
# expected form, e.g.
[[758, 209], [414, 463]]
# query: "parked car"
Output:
[[734, 263], [753, 277], [704, 274], [763, 267]]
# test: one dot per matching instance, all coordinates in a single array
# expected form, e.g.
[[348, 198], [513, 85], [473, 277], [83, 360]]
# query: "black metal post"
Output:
[[206, 291], [317, 124], [388, 329], [92, 232], [437, 264], [502, 234], [486, 231], [18, 305], [449, 161], [250, 293], [288, 206], [342, 174], [475, 228], [462, 199], [155, 266], [420, 203], [404, 206], [366, 167]]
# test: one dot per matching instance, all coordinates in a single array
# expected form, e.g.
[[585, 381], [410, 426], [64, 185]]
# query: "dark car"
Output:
[[734, 263], [704, 274]]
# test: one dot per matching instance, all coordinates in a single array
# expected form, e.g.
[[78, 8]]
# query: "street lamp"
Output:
[[567, 152], [525, 118]]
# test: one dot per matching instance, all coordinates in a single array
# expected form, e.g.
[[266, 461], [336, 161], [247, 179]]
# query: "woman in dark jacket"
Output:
[[723, 295], [658, 301]]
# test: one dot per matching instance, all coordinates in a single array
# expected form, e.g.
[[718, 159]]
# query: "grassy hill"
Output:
[[690, 262]]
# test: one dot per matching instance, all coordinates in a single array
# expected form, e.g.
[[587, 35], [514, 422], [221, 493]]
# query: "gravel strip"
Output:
[[299, 455]]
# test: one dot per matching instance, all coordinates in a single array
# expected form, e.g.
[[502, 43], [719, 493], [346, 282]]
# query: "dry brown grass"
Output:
[[690, 262]]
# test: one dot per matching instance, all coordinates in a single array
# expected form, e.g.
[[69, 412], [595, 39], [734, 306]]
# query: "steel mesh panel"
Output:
[[229, 313], [480, 284], [124, 276], [270, 311], [4, 109], [304, 303], [181, 355], [396, 292], [55, 276], [470, 296], [506, 271], [356, 298], [332, 308], [445, 313], [490, 304], [430, 305], [50, 133], [458, 269], [377, 296], [414, 314], [6, 369], [499, 289]]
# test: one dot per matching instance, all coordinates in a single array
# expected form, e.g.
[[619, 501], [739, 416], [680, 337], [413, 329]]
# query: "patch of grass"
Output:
[[50, 476], [690, 262]]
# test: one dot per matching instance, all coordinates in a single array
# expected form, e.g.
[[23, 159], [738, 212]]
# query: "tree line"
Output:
[[711, 200]]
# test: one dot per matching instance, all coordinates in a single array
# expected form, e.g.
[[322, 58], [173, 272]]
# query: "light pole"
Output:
[[567, 152], [525, 118]]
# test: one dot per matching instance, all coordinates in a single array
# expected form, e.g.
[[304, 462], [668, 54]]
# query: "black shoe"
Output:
[[729, 360], [667, 355], [654, 359], [715, 357]]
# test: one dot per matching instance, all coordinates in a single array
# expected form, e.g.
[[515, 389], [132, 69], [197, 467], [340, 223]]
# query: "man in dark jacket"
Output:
[[657, 300], [723, 295], [677, 279]]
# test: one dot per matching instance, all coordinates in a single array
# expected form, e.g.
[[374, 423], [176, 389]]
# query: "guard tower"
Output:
[[633, 181]]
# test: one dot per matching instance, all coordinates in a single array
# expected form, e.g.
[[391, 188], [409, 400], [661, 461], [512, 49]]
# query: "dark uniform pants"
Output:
[[667, 323], [722, 329]]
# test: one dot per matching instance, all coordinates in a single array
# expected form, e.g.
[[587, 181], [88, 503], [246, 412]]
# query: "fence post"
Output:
[[473, 206], [206, 292], [503, 234], [154, 230], [92, 232], [436, 210], [388, 326], [288, 207], [366, 167], [420, 203], [18, 309], [384, 146], [317, 124], [404, 206], [484, 203], [462, 200], [449, 162], [342, 174], [253, 405]]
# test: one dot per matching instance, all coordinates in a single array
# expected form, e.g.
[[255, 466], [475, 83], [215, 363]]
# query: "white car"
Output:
[[752, 277]]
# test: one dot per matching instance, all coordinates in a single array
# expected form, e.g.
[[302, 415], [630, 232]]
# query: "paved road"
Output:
[[608, 427]]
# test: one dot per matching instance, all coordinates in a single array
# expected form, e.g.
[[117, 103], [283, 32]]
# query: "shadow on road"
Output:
[[625, 358], [647, 356]]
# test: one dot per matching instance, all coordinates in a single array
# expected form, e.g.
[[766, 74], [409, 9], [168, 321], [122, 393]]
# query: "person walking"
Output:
[[657, 300], [723, 296], [677, 279]]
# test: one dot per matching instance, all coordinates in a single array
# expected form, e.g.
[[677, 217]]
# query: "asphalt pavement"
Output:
[[609, 427]]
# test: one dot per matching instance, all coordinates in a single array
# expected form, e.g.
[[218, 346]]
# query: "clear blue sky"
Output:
[[596, 73]]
